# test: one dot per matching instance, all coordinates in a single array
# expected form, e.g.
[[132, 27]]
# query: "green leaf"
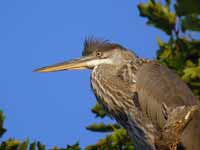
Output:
[[160, 42], [103, 127], [187, 7], [119, 140], [2, 129], [57, 148], [40, 146], [191, 22], [98, 111], [33, 146], [191, 73], [168, 2], [153, 1], [158, 16], [24, 145], [10, 145], [73, 147]]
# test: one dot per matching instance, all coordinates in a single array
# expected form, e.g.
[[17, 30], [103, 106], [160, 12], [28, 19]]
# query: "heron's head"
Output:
[[95, 52]]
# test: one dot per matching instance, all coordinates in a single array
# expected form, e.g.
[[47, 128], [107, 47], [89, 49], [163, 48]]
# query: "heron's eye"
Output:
[[99, 54]]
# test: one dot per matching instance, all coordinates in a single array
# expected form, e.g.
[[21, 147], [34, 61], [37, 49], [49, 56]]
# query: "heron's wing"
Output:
[[159, 88], [157, 85]]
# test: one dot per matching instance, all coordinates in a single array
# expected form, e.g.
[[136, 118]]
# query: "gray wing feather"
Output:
[[156, 84]]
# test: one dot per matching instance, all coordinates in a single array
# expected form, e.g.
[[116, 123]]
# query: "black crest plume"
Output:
[[94, 44]]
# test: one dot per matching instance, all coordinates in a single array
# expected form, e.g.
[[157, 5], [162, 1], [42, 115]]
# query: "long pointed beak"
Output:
[[75, 64]]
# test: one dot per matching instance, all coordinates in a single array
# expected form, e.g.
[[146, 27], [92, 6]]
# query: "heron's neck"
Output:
[[115, 93], [114, 86], [112, 93]]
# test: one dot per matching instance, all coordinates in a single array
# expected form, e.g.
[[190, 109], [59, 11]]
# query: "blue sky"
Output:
[[55, 108]]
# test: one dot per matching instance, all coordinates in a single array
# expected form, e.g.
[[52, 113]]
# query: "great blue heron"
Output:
[[142, 95]]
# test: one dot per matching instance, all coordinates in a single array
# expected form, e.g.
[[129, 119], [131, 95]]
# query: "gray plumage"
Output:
[[140, 94]]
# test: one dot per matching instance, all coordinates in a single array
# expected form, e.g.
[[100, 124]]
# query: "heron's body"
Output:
[[134, 90], [154, 85]]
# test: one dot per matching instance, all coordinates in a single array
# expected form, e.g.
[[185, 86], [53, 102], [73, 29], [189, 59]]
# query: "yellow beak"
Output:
[[81, 63]]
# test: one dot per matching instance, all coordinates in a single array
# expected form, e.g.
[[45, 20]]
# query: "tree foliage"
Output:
[[2, 129], [158, 15], [181, 53]]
